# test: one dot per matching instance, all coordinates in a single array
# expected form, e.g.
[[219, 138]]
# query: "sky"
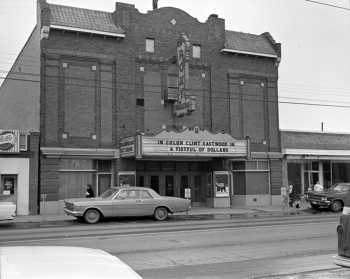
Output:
[[315, 66]]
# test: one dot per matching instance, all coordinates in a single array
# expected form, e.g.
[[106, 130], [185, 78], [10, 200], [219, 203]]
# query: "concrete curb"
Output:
[[244, 213]]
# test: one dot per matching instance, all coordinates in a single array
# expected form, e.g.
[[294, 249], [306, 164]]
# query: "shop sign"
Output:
[[127, 147], [187, 147], [9, 141]]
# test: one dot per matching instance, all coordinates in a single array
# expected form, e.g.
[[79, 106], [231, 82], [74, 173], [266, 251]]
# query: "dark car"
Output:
[[332, 198]]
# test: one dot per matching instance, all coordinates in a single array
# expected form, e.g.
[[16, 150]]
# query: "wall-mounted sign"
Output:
[[183, 50], [193, 143], [9, 141], [184, 104], [127, 147]]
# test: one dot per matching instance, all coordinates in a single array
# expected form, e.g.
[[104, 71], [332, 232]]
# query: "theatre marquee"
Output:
[[190, 143]]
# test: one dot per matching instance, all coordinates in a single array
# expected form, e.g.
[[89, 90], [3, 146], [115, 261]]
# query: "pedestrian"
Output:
[[318, 187], [291, 194], [89, 192]]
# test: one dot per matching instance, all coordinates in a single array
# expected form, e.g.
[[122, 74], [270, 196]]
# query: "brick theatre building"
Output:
[[157, 99]]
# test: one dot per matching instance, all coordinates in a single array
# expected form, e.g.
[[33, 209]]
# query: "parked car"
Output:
[[332, 198], [57, 262], [7, 208], [125, 201]]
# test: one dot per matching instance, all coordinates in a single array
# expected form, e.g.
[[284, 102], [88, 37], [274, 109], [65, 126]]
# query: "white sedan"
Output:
[[7, 209], [57, 262]]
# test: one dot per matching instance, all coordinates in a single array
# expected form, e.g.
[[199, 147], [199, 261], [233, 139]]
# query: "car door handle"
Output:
[[138, 200]]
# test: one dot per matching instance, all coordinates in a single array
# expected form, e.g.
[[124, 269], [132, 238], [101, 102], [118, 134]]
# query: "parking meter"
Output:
[[343, 232]]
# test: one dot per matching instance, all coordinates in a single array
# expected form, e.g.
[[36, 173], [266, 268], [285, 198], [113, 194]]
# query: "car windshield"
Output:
[[340, 187], [109, 193]]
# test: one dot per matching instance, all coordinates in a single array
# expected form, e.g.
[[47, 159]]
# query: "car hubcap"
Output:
[[161, 213], [336, 206], [92, 215]]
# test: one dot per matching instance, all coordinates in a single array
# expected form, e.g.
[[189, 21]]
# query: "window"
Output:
[[140, 102], [196, 51], [150, 45], [23, 140], [129, 195], [145, 195]]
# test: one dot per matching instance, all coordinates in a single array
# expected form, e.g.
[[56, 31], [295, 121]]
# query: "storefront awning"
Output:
[[316, 154]]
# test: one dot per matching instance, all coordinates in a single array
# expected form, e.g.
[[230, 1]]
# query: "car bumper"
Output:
[[320, 203], [73, 213]]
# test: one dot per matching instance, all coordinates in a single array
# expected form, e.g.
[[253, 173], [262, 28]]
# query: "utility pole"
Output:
[[155, 4]]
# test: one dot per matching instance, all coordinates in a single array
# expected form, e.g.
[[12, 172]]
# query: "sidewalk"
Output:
[[238, 212]]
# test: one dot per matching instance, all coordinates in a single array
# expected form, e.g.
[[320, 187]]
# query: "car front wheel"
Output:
[[92, 216], [336, 206], [161, 213]]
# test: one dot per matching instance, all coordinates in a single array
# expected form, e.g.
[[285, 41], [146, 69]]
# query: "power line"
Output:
[[226, 98], [292, 90], [327, 4]]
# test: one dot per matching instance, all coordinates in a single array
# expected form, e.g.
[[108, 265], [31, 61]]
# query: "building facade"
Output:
[[310, 157], [159, 100]]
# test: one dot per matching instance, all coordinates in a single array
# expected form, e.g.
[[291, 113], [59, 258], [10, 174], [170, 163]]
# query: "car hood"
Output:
[[52, 262], [325, 193]]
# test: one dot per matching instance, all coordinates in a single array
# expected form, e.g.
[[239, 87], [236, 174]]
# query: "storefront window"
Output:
[[251, 177], [221, 184], [315, 166], [104, 165], [257, 183], [340, 172]]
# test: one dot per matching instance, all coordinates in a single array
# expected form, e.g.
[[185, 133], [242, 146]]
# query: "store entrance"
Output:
[[8, 187], [174, 184], [312, 174]]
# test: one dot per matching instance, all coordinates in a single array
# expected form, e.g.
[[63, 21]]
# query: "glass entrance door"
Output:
[[8, 188], [155, 183], [8, 183], [169, 185]]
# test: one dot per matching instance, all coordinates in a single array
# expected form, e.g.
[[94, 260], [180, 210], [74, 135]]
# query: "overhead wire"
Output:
[[329, 5], [238, 98]]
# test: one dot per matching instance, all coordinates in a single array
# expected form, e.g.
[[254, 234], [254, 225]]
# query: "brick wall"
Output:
[[49, 180], [33, 146], [214, 77]]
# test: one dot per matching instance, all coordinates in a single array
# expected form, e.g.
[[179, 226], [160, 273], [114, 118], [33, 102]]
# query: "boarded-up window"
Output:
[[79, 100]]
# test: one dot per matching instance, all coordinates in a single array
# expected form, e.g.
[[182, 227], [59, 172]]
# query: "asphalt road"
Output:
[[270, 247]]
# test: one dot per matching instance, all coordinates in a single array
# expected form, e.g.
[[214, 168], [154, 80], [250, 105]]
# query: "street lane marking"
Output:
[[129, 234]]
